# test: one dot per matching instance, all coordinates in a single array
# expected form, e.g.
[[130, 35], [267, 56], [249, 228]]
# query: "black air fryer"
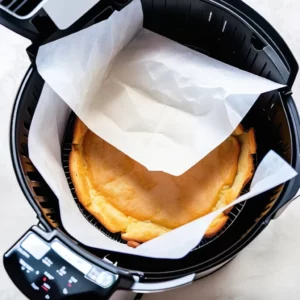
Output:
[[46, 263]]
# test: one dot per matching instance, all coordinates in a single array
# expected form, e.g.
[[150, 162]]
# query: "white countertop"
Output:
[[269, 268]]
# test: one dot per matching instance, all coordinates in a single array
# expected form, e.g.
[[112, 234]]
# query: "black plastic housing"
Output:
[[229, 31]]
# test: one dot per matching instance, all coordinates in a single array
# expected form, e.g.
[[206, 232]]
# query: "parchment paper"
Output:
[[47, 129], [161, 103]]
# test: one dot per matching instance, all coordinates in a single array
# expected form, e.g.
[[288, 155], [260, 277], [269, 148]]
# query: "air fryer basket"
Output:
[[65, 152], [216, 30]]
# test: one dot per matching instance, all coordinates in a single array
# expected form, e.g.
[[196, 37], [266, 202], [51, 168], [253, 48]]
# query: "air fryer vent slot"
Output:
[[257, 43], [21, 8], [27, 125], [34, 176], [38, 191], [24, 149]]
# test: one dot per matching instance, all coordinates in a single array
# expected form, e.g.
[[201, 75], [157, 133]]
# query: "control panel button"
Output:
[[46, 287], [35, 246], [48, 275], [34, 286], [65, 291], [25, 266], [93, 274], [62, 271], [105, 279], [72, 280], [47, 261]]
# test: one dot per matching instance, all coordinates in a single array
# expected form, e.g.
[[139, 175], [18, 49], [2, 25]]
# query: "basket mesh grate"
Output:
[[66, 149]]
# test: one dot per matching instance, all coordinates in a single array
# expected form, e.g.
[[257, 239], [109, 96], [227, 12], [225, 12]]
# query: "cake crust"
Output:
[[125, 197]]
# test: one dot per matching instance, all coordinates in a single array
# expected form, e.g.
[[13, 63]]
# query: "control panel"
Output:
[[51, 270]]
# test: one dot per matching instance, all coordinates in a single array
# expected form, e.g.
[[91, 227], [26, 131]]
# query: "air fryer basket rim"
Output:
[[19, 169]]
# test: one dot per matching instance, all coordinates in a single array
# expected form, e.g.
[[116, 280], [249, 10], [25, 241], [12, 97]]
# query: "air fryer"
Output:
[[46, 263]]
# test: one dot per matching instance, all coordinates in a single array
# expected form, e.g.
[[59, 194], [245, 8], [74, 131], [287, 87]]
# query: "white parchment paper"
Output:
[[46, 132], [161, 103]]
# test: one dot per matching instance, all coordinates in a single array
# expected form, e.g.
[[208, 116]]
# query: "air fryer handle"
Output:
[[49, 269], [45, 20], [23, 27]]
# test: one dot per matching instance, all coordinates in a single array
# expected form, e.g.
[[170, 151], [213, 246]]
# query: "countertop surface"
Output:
[[269, 268]]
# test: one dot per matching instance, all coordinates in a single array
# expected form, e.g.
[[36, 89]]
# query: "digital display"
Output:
[[35, 246], [72, 258]]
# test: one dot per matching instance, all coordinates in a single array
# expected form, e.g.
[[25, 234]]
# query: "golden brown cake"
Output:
[[125, 197]]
